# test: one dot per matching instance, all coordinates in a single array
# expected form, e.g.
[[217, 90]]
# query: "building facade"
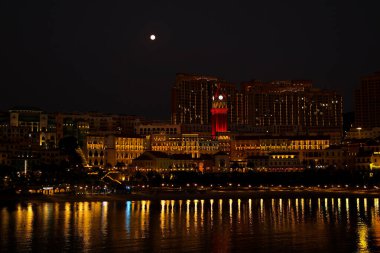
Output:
[[111, 150], [292, 106], [192, 99], [192, 144], [157, 128]]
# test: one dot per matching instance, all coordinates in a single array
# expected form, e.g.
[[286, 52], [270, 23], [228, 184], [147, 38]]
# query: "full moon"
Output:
[[152, 37]]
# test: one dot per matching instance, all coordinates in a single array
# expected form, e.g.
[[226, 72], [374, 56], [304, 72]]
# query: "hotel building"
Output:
[[192, 103], [292, 106], [113, 150]]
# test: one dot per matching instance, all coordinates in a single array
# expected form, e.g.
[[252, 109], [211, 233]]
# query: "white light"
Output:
[[220, 97], [152, 37]]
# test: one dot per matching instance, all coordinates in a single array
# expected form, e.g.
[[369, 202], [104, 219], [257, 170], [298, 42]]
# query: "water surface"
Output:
[[216, 225]]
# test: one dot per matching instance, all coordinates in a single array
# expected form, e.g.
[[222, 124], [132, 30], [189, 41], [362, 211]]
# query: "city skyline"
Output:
[[238, 86], [99, 57]]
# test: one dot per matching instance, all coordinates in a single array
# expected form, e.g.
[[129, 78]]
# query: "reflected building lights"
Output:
[[358, 206], [91, 221], [310, 206], [339, 207], [348, 210], [202, 212], [66, 221], [162, 217], [104, 224], [220, 210], [128, 217], [230, 211], [4, 226], [188, 216], [239, 214], [180, 205], [250, 211], [212, 212], [362, 238], [195, 214], [29, 222]]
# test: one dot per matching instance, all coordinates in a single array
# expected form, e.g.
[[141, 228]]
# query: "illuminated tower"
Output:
[[219, 112]]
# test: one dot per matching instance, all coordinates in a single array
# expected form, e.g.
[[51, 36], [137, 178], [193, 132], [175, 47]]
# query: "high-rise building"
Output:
[[192, 100], [292, 106], [367, 102]]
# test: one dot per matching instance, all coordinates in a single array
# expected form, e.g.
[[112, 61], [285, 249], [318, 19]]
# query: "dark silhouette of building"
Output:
[[367, 102]]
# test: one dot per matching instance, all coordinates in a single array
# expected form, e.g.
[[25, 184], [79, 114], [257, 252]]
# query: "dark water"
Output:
[[229, 225]]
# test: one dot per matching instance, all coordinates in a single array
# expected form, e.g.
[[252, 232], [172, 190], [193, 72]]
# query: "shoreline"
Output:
[[184, 195]]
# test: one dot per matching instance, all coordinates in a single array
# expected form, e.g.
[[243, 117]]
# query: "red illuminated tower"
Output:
[[219, 112]]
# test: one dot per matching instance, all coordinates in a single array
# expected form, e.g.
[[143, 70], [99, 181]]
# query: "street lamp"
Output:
[[359, 129]]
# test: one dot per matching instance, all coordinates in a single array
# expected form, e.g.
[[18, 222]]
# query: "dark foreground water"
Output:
[[229, 225]]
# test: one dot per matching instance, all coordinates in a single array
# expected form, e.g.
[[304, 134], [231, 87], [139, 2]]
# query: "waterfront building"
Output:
[[95, 151], [275, 162], [128, 148], [162, 162], [152, 161], [193, 144], [111, 150], [308, 148], [247, 145]]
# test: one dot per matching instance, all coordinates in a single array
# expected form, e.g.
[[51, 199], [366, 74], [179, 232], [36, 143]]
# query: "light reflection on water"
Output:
[[215, 225]]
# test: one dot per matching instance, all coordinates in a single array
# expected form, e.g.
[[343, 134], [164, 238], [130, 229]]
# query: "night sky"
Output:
[[64, 55]]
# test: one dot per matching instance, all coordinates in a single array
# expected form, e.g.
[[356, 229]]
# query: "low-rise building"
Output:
[[193, 144], [157, 128], [276, 162], [113, 150], [152, 161], [245, 146]]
